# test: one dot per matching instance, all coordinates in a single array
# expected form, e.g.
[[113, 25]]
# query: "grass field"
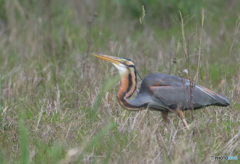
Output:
[[58, 102]]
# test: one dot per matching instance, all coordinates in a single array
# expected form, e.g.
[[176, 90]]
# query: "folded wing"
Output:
[[168, 91], [187, 96]]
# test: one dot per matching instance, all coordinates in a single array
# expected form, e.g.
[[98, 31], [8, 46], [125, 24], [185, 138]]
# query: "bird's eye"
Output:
[[123, 61]]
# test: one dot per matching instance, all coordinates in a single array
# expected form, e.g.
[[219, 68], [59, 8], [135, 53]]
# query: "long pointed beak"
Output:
[[111, 59]]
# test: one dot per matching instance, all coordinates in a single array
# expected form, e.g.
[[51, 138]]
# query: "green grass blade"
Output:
[[56, 152], [90, 145], [107, 85], [23, 143]]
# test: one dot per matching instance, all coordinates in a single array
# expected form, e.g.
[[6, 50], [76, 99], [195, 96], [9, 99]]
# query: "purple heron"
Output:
[[161, 92]]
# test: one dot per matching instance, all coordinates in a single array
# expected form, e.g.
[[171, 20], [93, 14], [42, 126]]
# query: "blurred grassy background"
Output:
[[58, 104]]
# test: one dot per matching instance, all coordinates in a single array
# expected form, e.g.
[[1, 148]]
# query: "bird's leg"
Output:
[[165, 117], [180, 114]]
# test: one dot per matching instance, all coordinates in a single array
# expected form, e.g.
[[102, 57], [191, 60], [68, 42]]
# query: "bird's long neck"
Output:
[[127, 88]]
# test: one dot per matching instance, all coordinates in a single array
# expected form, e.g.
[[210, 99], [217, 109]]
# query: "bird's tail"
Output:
[[221, 100], [218, 99]]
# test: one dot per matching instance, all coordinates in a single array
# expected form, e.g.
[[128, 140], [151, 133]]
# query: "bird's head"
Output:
[[122, 64]]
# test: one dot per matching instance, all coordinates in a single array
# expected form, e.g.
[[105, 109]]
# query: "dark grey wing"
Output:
[[186, 96], [164, 92], [158, 79]]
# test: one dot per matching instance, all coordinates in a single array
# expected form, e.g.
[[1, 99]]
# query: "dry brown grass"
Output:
[[66, 98]]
